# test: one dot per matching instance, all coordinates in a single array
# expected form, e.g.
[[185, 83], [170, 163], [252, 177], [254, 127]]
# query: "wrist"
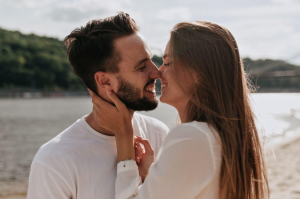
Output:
[[125, 147], [124, 134], [143, 176]]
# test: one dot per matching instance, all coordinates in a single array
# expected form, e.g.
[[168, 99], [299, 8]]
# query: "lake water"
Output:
[[25, 124]]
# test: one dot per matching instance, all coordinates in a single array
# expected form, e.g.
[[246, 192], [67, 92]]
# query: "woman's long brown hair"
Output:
[[221, 98]]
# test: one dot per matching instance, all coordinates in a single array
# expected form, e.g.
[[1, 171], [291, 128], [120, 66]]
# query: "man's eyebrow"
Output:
[[140, 62]]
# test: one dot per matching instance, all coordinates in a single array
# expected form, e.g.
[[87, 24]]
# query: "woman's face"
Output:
[[171, 92]]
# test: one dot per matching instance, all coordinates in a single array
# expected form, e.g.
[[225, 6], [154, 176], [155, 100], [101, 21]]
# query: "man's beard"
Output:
[[129, 95]]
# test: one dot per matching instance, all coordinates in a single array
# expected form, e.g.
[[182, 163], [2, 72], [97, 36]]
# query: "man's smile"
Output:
[[150, 88]]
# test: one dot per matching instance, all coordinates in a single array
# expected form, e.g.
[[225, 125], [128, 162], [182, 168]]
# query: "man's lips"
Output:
[[150, 86], [150, 82]]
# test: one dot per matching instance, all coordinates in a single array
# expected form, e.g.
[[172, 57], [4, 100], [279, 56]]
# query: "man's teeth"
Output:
[[163, 85], [150, 88]]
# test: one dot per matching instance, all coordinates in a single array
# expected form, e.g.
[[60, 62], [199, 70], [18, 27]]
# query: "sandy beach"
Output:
[[13, 190], [284, 170], [284, 174]]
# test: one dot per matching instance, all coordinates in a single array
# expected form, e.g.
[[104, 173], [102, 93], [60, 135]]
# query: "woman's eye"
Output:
[[167, 64]]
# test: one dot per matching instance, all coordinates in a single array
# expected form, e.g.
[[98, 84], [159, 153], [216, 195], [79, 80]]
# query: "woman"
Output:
[[215, 152]]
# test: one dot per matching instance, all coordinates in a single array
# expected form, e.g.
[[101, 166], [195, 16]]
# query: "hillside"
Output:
[[40, 63], [273, 75], [30, 61]]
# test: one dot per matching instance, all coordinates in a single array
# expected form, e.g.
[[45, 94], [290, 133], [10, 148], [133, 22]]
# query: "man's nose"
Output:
[[161, 69], [155, 73]]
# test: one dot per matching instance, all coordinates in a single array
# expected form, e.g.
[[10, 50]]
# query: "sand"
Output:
[[283, 163], [284, 170], [13, 190]]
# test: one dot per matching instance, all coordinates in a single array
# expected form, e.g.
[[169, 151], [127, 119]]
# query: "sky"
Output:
[[262, 28]]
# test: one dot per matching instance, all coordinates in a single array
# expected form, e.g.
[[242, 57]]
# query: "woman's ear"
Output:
[[103, 81]]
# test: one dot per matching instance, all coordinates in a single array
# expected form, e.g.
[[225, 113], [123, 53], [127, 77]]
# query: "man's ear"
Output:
[[103, 81]]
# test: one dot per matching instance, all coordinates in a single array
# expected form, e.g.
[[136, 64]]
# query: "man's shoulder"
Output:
[[54, 167], [60, 147], [152, 123]]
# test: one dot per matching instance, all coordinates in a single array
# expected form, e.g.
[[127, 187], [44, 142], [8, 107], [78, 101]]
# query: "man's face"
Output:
[[135, 82]]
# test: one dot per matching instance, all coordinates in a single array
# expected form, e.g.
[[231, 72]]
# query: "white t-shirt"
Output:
[[81, 163], [187, 167]]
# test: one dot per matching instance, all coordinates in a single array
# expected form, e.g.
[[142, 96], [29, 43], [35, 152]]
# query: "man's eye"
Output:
[[142, 68]]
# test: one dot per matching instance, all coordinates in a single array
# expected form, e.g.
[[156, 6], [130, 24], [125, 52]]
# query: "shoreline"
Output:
[[281, 140], [32, 94]]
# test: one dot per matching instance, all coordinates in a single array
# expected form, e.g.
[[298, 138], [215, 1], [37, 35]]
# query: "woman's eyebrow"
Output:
[[165, 55]]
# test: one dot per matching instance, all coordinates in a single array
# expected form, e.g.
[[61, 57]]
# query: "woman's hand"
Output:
[[116, 119], [139, 150], [146, 158]]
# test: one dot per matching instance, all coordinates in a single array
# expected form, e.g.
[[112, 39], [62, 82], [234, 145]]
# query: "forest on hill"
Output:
[[31, 61], [40, 63]]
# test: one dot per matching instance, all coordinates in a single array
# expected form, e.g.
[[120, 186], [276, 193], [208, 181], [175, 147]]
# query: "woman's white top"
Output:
[[187, 166]]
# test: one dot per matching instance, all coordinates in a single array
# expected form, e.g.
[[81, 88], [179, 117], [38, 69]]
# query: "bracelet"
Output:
[[127, 159]]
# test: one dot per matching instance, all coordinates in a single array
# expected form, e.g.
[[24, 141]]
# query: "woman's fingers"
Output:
[[147, 145], [110, 117], [98, 100], [115, 99], [138, 160], [91, 92], [138, 154], [138, 150]]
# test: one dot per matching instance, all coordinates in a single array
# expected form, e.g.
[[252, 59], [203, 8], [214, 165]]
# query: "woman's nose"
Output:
[[161, 69]]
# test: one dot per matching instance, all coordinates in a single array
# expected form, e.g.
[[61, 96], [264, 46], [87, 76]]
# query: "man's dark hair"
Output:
[[91, 49]]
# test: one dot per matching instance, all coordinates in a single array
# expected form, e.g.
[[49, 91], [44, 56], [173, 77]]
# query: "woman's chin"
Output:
[[163, 99]]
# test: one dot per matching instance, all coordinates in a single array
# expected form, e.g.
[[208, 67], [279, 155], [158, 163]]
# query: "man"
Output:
[[80, 163]]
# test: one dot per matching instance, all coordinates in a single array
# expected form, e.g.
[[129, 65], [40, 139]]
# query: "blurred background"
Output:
[[40, 95]]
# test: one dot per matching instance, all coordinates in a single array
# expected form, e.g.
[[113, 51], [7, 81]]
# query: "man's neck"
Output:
[[91, 121]]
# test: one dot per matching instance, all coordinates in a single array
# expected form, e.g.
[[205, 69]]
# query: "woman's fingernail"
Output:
[[108, 92]]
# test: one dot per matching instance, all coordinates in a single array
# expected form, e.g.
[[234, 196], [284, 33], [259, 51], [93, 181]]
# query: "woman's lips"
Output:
[[163, 85]]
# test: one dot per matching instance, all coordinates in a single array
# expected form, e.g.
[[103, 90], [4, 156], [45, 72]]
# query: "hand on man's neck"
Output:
[[91, 121]]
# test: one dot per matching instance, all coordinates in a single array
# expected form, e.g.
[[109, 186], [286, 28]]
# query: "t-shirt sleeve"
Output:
[[46, 184], [183, 169]]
